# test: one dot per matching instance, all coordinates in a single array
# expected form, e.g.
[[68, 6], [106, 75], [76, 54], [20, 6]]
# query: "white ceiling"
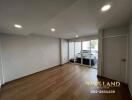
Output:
[[68, 17]]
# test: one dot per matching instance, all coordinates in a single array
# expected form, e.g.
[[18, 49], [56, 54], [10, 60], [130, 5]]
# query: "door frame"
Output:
[[101, 53]]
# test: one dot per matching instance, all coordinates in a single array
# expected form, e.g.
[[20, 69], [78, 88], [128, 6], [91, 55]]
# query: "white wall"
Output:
[[130, 60], [116, 31], [0, 64], [64, 51], [100, 54], [24, 55], [86, 38]]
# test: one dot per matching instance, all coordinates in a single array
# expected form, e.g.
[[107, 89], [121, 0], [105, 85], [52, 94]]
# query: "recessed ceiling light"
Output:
[[106, 7], [52, 29], [76, 36], [17, 26]]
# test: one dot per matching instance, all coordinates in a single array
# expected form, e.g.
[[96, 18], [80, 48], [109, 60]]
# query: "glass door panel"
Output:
[[86, 53], [94, 53], [71, 52], [78, 52]]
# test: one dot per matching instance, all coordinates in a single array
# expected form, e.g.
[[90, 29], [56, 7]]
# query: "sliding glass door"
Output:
[[71, 51], [94, 53], [78, 52], [85, 53]]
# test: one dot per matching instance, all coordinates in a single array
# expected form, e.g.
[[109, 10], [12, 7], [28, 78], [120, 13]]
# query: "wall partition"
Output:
[[84, 53]]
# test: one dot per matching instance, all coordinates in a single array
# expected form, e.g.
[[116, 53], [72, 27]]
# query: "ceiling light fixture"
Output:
[[76, 36], [17, 26], [106, 7], [52, 29]]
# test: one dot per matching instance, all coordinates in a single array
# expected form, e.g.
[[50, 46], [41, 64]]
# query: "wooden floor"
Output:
[[67, 82]]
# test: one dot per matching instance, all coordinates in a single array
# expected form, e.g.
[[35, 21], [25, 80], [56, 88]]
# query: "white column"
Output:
[[100, 53]]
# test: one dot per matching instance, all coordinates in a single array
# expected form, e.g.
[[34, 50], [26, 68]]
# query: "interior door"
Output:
[[115, 57]]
